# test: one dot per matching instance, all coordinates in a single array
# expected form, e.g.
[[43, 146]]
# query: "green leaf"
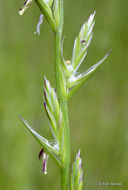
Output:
[[75, 82]]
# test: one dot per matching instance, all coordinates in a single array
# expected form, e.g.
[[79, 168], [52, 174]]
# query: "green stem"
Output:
[[64, 109], [63, 102]]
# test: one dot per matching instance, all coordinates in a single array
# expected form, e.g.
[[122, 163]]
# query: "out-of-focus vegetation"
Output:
[[98, 113]]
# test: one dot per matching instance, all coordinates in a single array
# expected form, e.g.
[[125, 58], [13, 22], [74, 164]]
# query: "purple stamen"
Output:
[[45, 104], [41, 153], [25, 2], [44, 167], [83, 41]]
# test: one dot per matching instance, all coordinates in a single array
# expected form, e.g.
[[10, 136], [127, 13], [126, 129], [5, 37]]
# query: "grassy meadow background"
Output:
[[98, 112]]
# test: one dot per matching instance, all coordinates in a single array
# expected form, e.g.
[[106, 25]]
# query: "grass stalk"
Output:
[[63, 102]]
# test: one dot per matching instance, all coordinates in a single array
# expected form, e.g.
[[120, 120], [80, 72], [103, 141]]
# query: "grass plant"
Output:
[[68, 81]]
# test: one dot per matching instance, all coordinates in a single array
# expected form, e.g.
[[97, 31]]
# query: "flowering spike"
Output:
[[53, 111], [82, 42], [77, 174]]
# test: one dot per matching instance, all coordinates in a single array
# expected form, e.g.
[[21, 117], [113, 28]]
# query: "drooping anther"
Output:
[[41, 153], [45, 159]]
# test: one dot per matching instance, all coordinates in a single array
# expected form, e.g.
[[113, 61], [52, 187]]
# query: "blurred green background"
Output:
[[98, 112]]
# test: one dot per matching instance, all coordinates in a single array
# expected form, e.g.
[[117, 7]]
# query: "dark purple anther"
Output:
[[25, 2], [44, 104], [83, 41], [41, 153]]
